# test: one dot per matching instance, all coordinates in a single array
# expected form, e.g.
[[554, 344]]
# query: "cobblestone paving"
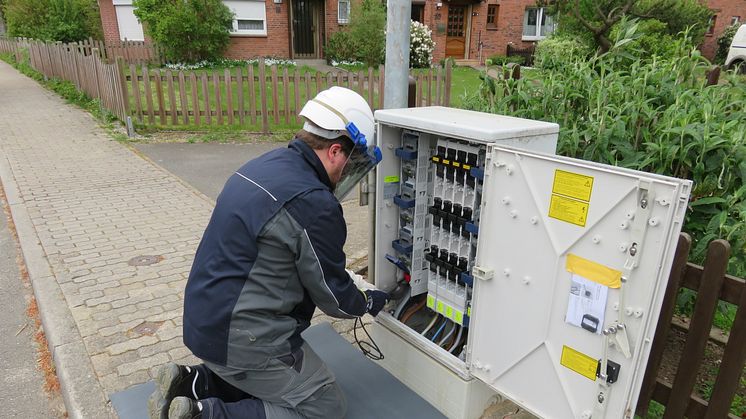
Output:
[[95, 206]]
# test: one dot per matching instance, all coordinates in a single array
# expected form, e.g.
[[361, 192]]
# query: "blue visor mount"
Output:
[[361, 143]]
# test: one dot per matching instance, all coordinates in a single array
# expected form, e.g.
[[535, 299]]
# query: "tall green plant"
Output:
[[52, 20], [187, 30], [655, 114], [367, 31]]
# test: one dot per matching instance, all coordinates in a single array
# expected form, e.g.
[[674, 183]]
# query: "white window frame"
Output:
[[259, 14], [540, 14], [340, 19], [735, 20]]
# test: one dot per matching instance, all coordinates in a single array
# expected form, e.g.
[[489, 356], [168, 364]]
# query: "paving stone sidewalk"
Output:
[[100, 214]]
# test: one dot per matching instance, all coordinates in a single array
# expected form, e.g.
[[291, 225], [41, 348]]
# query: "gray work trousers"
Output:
[[299, 385]]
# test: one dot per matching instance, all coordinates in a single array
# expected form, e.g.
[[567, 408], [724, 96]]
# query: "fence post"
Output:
[[713, 274], [125, 99], [447, 87], [96, 70], [713, 75], [263, 93], [411, 92]]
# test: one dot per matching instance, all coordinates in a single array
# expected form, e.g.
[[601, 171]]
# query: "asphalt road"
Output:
[[206, 166], [21, 383]]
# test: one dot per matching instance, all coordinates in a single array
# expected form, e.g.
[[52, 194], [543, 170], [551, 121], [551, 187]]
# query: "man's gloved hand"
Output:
[[375, 301]]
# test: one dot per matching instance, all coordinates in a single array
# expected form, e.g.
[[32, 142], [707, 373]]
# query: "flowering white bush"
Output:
[[421, 45], [227, 62], [347, 62]]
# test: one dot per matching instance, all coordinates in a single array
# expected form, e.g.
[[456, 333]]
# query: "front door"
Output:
[[305, 28], [455, 31]]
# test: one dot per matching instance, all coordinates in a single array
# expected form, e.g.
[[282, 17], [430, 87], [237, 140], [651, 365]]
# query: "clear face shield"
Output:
[[362, 159]]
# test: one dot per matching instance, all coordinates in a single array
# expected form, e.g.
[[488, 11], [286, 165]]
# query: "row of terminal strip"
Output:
[[440, 193]]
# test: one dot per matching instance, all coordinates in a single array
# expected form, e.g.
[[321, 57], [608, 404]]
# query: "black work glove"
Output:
[[375, 301]]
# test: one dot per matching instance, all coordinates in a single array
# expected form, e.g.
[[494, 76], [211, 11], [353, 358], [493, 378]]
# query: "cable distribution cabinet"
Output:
[[531, 276]]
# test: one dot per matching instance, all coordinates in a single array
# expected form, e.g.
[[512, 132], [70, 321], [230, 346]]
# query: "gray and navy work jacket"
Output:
[[272, 253]]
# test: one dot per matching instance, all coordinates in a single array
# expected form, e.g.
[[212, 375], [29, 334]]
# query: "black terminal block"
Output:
[[612, 371]]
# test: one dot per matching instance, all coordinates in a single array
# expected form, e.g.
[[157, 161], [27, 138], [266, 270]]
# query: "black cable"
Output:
[[369, 349]]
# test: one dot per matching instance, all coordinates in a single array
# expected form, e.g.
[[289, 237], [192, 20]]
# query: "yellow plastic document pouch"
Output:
[[594, 271]]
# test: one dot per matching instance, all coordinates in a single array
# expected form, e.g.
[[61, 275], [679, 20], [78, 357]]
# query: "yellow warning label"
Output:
[[430, 301], [449, 312], [456, 164], [446, 161], [436, 159], [391, 179], [440, 307], [572, 185], [458, 317], [579, 362], [466, 167], [568, 210]]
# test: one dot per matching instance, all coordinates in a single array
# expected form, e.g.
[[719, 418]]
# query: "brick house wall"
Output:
[[275, 44], [109, 20], [723, 11]]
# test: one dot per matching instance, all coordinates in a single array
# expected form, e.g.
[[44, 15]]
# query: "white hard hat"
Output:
[[328, 114]]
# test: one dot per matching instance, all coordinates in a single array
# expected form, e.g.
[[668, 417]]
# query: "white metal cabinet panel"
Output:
[[518, 327], [129, 27]]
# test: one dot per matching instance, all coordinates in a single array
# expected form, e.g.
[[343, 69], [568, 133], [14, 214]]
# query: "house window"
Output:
[[734, 20], [250, 25], [537, 24], [250, 17], [493, 11], [711, 24], [343, 12]]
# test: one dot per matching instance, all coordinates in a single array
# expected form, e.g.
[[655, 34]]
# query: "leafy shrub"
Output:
[[724, 42], [556, 51], [367, 31], [339, 47], [651, 37], [187, 30], [656, 115], [502, 60], [421, 45], [52, 20]]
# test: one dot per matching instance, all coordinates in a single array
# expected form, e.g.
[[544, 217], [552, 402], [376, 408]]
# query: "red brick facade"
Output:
[[109, 20], [724, 11], [508, 27]]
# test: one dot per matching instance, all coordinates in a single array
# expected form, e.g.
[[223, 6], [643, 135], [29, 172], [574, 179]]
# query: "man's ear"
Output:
[[335, 150]]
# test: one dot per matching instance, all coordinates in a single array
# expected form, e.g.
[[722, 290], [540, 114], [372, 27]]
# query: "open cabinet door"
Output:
[[572, 263]]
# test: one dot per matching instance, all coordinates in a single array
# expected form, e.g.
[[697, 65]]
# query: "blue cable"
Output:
[[442, 326]]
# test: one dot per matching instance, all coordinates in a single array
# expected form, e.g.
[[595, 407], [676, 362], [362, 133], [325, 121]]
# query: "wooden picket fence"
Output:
[[132, 52], [85, 68], [251, 96], [712, 284], [256, 96]]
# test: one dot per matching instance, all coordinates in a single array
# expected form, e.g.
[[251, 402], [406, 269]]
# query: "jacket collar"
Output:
[[312, 159]]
